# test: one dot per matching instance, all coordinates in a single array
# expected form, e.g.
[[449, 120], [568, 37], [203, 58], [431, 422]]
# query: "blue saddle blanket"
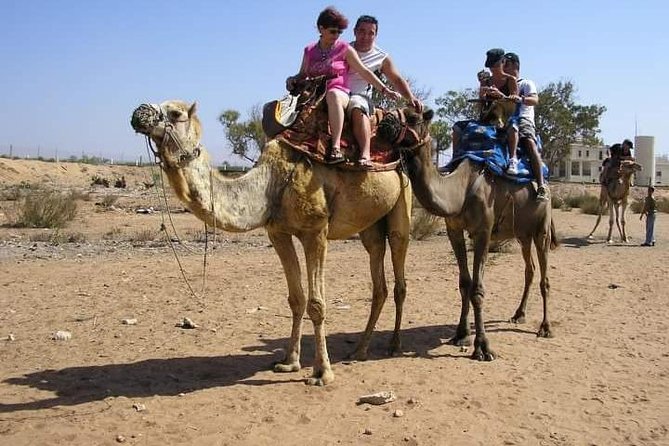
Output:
[[487, 145]]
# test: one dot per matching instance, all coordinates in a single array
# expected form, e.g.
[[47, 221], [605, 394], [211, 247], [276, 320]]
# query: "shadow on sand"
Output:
[[173, 376]]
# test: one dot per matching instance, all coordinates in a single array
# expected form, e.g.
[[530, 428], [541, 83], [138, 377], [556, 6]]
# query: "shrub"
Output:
[[663, 205], [590, 205], [57, 237], [424, 224], [108, 201], [96, 180], [113, 233], [637, 205], [143, 235], [44, 209]]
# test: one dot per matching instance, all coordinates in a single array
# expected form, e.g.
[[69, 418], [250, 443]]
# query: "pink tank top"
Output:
[[330, 63]]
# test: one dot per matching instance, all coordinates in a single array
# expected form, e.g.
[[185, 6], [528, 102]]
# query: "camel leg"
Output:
[[611, 211], [623, 234], [620, 230], [399, 230], [600, 211], [373, 239], [482, 350], [315, 251], [283, 245], [457, 239], [542, 243], [526, 246]]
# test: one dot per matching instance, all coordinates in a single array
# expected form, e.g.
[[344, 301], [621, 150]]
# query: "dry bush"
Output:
[[80, 195], [502, 246], [112, 234], [108, 201], [44, 209], [589, 204], [57, 237], [99, 181], [143, 235], [424, 224]]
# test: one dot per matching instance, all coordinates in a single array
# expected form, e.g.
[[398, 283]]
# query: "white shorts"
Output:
[[362, 103]]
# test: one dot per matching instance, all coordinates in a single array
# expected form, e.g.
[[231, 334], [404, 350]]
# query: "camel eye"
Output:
[[174, 115]]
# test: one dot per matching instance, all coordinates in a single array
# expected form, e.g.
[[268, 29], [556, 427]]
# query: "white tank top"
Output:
[[372, 59]]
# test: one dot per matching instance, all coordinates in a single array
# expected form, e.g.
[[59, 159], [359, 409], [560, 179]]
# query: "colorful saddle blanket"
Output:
[[310, 135], [486, 144]]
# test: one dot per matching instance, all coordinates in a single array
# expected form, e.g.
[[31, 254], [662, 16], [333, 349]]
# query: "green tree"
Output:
[[451, 107], [561, 121], [246, 138]]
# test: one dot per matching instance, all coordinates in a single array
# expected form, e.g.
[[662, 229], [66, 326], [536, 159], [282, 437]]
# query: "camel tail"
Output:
[[555, 242]]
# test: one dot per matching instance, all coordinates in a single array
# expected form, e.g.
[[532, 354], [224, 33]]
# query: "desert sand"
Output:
[[602, 380]]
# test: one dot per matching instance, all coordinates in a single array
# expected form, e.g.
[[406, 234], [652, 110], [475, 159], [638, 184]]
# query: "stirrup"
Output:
[[335, 156]]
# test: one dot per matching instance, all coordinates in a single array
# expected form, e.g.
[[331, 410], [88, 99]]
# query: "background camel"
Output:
[[291, 197], [488, 208], [614, 195]]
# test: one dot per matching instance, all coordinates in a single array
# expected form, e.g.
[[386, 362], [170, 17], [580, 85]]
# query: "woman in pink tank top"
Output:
[[333, 57]]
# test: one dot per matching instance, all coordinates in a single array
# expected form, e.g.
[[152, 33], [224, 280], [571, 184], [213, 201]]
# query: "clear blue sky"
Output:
[[72, 72]]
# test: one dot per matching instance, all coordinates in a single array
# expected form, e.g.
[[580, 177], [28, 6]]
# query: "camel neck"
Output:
[[442, 195], [237, 205]]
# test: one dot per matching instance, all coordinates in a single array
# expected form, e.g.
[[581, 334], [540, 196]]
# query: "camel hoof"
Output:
[[320, 379], [480, 355], [358, 355], [590, 237], [395, 349], [286, 368], [545, 332], [517, 319]]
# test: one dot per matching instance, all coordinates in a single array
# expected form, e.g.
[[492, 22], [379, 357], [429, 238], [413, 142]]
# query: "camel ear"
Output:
[[428, 114], [192, 110]]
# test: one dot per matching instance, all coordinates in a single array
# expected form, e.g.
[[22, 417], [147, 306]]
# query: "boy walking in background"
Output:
[[649, 210]]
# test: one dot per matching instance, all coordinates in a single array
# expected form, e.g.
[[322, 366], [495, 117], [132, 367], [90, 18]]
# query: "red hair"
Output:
[[331, 18]]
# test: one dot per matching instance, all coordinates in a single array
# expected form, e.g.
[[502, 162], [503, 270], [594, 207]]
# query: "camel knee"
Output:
[[400, 291], [316, 311]]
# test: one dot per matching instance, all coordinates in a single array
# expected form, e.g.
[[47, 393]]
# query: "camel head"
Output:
[[174, 127], [405, 128], [629, 168]]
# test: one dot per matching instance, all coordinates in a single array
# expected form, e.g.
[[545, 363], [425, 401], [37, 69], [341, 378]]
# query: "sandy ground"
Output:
[[602, 380]]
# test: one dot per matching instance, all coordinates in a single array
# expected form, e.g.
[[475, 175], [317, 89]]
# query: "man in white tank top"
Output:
[[360, 106]]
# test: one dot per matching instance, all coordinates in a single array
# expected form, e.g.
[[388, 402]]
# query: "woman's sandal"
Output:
[[335, 156], [366, 163]]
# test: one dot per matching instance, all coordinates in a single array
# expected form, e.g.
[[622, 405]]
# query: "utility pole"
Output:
[[11, 151]]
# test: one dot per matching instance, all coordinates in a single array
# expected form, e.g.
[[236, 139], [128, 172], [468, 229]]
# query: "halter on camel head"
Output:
[[175, 131], [405, 128]]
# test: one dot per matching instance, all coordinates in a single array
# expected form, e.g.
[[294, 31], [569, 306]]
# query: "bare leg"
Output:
[[512, 139], [337, 101], [535, 160], [283, 245], [362, 132]]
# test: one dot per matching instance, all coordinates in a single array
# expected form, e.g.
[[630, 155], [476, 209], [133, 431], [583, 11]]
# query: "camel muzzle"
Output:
[[145, 118]]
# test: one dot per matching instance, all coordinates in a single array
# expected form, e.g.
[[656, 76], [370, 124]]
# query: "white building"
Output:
[[582, 165]]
